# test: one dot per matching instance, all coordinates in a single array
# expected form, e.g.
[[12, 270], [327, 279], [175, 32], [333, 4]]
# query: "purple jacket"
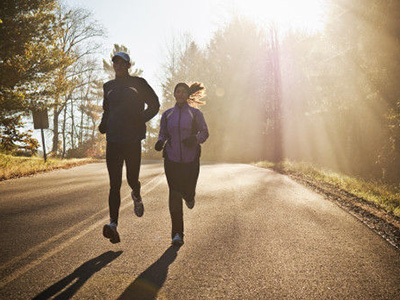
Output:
[[176, 125]]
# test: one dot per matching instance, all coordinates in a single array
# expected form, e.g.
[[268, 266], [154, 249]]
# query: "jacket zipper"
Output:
[[179, 130]]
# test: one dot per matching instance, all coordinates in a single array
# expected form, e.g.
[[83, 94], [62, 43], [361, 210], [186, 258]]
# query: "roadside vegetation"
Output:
[[384, 195], [15, 166]]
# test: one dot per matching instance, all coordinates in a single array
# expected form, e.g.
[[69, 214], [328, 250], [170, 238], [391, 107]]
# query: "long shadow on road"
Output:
[[80, 276], [147, 284]]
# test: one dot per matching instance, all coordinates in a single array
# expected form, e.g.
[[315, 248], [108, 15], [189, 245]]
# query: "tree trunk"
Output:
[[64, 133], [55, 131], [80, 135], [72, 125], [278, 151]]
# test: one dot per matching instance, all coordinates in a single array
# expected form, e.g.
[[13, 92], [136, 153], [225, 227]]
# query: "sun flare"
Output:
[[287, 14]]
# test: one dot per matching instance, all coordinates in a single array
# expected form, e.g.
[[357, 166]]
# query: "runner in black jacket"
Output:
[[124, 122]]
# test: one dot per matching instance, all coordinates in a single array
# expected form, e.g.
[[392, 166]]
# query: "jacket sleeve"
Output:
[[104, 119], [150, 98], [163, 135], [202, 133]]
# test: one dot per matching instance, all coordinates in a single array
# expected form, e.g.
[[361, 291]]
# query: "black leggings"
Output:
[[116, 154], [182, 181]]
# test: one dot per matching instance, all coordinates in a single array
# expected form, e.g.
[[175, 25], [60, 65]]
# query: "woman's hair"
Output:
[[196, 91]]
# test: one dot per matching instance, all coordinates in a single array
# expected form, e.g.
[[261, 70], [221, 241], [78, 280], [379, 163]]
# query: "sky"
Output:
[[147, 26]]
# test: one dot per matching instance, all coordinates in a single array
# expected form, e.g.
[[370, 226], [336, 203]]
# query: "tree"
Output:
[[277, 94], [237, 82], [28, 53], [235, 78], [79, 128], [365, 35], [11, 137], [78, 34]]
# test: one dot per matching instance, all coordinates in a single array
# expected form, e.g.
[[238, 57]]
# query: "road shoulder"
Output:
[[386, 224]]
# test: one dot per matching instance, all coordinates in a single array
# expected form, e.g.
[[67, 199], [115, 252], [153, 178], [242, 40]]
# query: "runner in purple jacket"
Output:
[[183, 128]]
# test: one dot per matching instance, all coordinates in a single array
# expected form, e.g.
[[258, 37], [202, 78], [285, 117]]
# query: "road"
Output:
[[253, 234]]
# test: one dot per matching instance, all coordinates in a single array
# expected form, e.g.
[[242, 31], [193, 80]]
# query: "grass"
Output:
[[14, 166], [385, 195]]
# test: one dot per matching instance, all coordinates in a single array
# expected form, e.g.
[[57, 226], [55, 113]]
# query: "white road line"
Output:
[[65, 244]]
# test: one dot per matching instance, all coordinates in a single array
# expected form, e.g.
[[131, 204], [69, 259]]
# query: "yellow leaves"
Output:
[[12, 166], [28, 53]]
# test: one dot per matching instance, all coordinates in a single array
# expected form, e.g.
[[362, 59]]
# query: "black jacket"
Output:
[[124, 115]]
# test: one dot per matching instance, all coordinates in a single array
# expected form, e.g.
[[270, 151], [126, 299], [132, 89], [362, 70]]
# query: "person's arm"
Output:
[[202, 131], [104, 119], [150, 98], [163, 135], [202, 134]]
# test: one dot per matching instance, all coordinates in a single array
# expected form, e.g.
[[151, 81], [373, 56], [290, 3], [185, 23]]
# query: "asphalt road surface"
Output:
[[253, 234]]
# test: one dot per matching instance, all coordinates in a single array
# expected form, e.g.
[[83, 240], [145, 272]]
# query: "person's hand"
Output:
[[102, 127], [190, 141], [159, 145]]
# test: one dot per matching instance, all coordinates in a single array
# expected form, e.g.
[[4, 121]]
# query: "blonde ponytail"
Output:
[[197, 91]]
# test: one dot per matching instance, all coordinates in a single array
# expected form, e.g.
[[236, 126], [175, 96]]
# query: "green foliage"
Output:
[[28, 56], [28, 51], [13, 140]]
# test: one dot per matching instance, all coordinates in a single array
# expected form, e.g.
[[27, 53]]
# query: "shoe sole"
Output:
[[115, 239], [177, 243], [189, 205]]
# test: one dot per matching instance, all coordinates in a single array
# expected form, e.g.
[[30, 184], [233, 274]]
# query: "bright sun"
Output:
[[287, 14]]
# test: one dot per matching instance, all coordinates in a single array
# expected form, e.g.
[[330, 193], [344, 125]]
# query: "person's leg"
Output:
[[190, 177], [114, 165], [176, 212], [172, 172], [132, 156]]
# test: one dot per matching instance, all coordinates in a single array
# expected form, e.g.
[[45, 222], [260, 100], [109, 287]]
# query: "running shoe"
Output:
[[110, 232], [189, 202], [177, 240], [137, 202]]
